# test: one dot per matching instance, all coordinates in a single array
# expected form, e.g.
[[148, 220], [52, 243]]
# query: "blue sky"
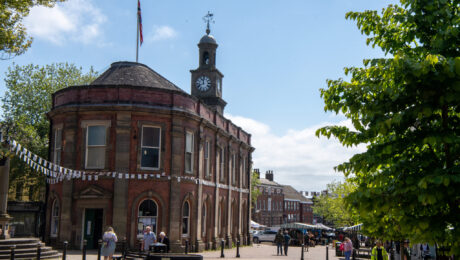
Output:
[[275, 56]]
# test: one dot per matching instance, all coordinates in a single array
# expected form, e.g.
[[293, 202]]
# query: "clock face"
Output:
[[203, 83]]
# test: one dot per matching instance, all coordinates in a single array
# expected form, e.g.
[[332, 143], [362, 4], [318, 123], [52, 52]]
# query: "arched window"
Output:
[[147, 216], [55, 210], [205, 58], [203, 220], [186, 219]]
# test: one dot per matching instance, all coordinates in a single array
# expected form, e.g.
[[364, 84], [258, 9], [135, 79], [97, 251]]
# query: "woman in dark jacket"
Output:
[[164, 240]]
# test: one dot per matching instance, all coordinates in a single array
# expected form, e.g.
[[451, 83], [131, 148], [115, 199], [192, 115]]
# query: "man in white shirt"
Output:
[[149, 238]]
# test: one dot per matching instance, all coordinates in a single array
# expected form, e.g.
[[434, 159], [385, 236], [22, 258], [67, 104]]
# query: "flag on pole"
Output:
[[139, 20]]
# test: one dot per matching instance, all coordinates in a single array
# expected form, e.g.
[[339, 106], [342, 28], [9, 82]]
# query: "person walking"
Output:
[[347, 248], [287, 238], [279, 239], [109, 241], [379, 252]]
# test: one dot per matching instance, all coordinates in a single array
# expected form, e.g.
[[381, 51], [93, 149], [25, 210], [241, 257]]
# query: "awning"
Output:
[[323, 227], [298, 225], [256, 225], [353, 228]]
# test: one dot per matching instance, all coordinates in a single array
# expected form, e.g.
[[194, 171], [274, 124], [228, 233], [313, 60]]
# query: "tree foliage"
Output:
[[13, 36], [332, 207], [26, 102], [405, 108], [255, 192]]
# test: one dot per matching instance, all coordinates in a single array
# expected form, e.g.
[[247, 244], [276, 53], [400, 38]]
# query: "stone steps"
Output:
[[26, 248]]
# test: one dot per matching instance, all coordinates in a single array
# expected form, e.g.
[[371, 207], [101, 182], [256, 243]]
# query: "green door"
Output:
[[92, 227]]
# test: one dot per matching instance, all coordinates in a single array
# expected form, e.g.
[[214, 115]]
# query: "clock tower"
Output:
[[207, 79]]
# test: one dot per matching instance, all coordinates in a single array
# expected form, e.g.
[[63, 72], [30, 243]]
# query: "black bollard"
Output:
[[301, 256], [222, 244], [124, 248], [327, 253], [83, 255], [64, 251], [99, 248], [237, 248], [39, 251], [186, 246], [12, 252]]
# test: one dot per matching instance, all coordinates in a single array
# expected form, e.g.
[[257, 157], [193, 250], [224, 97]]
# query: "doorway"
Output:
[[93, 227]]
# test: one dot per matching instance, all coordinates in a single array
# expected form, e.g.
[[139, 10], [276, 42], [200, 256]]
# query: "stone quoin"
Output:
[[191, 165]]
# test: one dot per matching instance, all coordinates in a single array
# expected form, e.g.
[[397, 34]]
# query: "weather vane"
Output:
[[208, 18]]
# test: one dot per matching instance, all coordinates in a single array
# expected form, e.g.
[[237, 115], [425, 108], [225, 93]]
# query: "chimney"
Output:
[[257, 171], [269, 175]]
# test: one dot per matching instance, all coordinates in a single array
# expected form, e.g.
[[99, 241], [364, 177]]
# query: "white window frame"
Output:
[[222, 164], [186, 218], [57, 146], [233, 168], [207, 159], [87, 146], [189, 150], [153, 147]]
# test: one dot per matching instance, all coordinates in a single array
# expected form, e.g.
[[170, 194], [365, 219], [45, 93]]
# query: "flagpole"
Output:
[[137, 33]]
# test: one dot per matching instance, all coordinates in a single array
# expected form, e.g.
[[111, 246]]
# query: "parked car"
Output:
[[264, 235]]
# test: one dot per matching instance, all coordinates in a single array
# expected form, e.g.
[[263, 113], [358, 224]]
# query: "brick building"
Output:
[[178, 164], [297, 208], [268, 210]]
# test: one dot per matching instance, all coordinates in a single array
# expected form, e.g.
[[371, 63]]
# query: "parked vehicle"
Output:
[[264, 235]]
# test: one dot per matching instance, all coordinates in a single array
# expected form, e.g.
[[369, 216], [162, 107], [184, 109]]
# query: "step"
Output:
[[17, 241], [19, 246], [46, 255], [25, 250]]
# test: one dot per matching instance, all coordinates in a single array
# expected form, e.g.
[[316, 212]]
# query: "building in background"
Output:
[[297, 208], [268, 210]]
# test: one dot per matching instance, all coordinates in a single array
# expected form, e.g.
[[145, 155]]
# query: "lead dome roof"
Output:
[[208, 39], [126, 73]]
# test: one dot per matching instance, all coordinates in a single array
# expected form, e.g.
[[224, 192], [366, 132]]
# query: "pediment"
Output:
[[92, 192]]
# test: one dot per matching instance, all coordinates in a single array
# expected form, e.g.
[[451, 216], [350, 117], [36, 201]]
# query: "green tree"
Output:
[[405, 108], [25, 104], [255, 192], [13, 36], [332, 206]]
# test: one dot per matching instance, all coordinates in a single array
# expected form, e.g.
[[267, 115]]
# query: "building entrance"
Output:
[[93, 227]]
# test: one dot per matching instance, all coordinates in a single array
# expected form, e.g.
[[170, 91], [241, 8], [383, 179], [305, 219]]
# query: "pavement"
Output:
[[259, 251]]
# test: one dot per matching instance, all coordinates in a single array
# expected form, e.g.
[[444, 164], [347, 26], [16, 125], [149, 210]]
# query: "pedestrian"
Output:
[[347, 248], [425, 251], [406, 251], [149, 238], [279, 239], [109, 241], [287, 238], [164, 240], [379, 252]]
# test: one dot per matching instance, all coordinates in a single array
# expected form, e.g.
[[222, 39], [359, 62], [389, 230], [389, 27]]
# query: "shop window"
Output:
[[147, 216]]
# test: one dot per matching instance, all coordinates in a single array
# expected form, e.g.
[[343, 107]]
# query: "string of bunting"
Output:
[[55, 173]]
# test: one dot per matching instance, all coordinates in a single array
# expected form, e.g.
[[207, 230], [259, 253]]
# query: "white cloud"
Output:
[[76, 20], [298, 158], [161, 33]]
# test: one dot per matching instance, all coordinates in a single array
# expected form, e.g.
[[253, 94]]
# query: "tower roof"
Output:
[[126, 73], [208, 39]]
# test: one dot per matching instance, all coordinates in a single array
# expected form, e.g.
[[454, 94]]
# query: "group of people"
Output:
[[282, 240], [109, 241]]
